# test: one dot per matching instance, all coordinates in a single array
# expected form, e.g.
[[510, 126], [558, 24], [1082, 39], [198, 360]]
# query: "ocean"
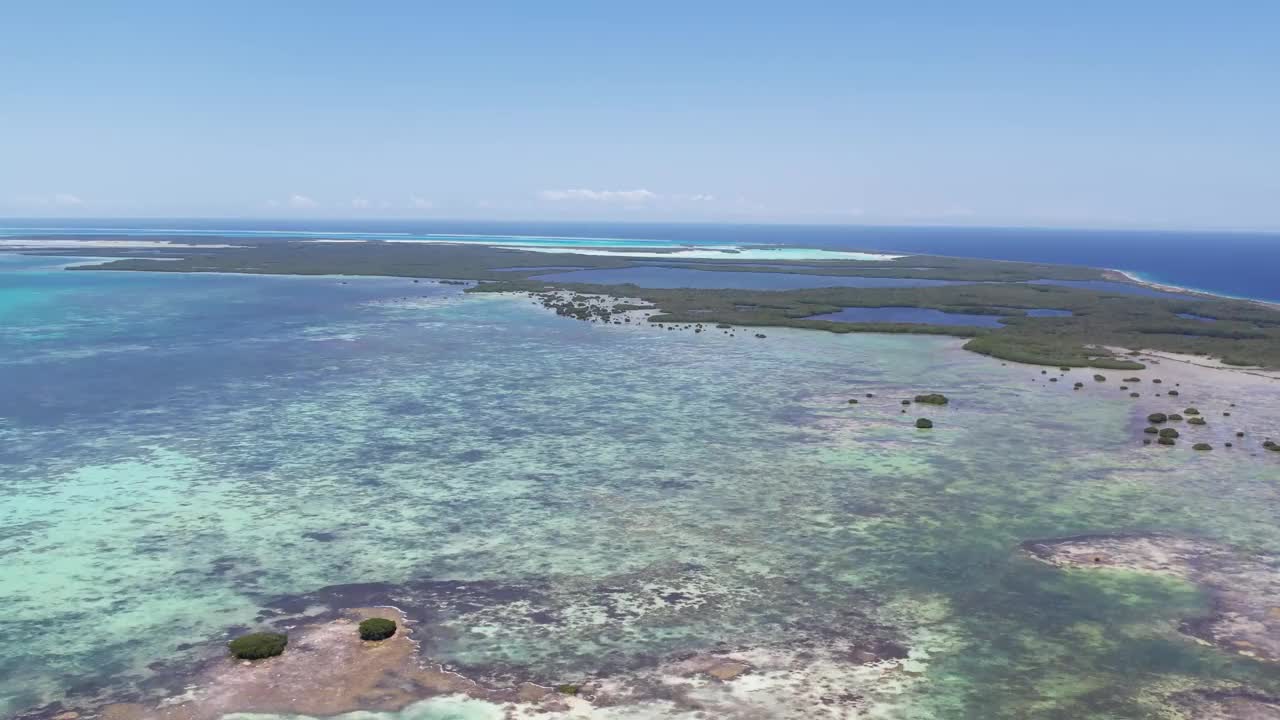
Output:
[[1236, 264]]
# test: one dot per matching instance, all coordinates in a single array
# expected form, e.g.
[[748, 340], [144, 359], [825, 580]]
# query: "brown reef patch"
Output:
[[1227, 705], [326, 670]]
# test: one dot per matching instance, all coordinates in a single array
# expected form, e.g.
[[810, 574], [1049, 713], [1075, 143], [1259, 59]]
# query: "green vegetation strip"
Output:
[[1244, 333]]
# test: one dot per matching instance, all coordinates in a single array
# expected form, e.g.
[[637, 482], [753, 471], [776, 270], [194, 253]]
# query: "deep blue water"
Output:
[[668, 277], [908, 315], [1229, 263]]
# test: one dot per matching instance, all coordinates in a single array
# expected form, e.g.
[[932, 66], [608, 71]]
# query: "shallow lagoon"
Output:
[[558, 498], [673, 277]]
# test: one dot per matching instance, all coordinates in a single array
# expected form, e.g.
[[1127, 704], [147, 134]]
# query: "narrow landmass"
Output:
[[1086, 324]]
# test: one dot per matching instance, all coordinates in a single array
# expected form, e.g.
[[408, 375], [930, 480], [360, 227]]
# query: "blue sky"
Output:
[[1122, 113]]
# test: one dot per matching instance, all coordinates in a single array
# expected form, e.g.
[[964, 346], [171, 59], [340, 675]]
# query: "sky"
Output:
[[1125, 113]]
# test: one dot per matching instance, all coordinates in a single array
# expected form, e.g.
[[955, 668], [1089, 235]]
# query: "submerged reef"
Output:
[[1226, 704], [1243, 588], [330, 671]]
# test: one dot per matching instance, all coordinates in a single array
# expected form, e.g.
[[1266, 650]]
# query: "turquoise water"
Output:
[[673, 277], [556, 499], [612, 246]]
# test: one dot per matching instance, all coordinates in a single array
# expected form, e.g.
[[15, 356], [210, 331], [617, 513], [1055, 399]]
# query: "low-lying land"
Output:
[[1241, 333]]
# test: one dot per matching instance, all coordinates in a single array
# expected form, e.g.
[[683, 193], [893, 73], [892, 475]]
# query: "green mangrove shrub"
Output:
[[933, 399], [377, 629], [256, 646]]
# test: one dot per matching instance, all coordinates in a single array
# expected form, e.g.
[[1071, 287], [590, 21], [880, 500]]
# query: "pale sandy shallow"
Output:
[[328, 671], [730, 253], [1175, 363]]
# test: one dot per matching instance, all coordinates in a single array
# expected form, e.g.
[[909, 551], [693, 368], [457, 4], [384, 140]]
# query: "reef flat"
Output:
[[596, 519], [1242, 589]]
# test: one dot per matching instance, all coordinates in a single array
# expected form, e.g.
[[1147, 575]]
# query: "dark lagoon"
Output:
[[909, 315]]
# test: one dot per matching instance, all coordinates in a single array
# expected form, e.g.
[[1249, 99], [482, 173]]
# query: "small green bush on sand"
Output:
[[256, 646], [377, 629]]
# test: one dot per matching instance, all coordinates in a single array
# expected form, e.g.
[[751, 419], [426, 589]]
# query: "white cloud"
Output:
[[696, 197], [624, 196], [418, 203], [360, 204], [302, 201], [56, 200]]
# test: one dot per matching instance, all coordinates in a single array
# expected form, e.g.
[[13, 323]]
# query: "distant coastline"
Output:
[[1227, 264]]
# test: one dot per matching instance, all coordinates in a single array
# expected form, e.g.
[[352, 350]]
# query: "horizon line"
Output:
[[581, 221]]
